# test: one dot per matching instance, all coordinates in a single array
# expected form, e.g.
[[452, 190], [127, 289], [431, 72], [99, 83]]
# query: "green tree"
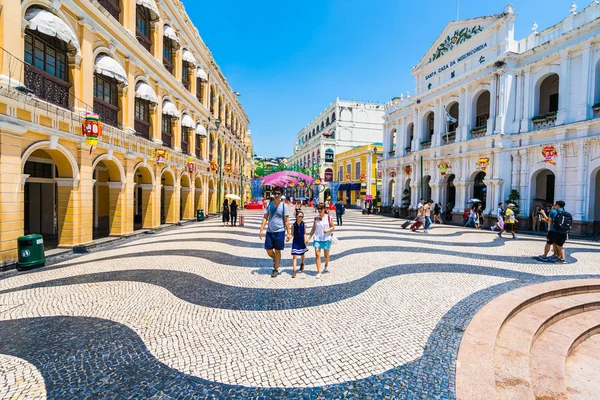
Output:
[[513, 197]]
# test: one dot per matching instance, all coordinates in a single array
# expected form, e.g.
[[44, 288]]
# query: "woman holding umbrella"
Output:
[[233, 208]]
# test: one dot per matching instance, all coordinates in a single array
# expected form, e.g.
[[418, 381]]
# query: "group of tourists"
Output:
[[229, 213], [276, 220], [425, 211]]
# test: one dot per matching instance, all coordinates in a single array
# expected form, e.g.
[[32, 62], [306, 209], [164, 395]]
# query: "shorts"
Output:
[[322, 244], [509, 227], [556, 238], [275, 240]]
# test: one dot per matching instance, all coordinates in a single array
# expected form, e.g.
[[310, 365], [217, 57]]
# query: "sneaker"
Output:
[[499, 235], [425, 231], [274, 273], [542, 257], [515, 237], [318, 276], [561, 260], [301, 267], [325, 269], [294, 274]]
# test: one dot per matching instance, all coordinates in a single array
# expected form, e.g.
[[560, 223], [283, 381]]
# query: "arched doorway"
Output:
[[142, 197], [106, 199], [480, 189], [391, 192], [212, 197], [198, 191], [185, 198], [167, 191], [543, 184], [47, 194], [450, 193], [425, 188]]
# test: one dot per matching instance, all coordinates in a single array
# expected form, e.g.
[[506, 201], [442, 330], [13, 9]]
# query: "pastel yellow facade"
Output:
[[355, 169], [153, 82]]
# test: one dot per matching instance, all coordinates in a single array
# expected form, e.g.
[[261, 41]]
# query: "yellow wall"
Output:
[[353, 156], [34, 128]]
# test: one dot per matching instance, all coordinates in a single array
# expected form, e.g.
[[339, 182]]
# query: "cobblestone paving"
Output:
[[192, 312]]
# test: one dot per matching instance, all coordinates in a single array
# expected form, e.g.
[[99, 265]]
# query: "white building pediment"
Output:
[[454, 36]]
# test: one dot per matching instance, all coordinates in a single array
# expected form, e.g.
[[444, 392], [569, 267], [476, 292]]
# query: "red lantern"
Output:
[[214, 167], [191, 167], [549, 152], [91, 130], [407, 171], [228, 167]]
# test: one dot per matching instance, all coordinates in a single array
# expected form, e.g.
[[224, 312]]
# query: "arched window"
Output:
[[185, 74], [392, 141], [333, 117], [46, 67], [112, 6], [106, 99], [327, 123], [212, 100], [143, 20], [548, 95], [329, 155], [428, 129], [142, 117], [410, 132]]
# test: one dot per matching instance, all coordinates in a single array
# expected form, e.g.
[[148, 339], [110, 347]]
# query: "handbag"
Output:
[[334, 239]]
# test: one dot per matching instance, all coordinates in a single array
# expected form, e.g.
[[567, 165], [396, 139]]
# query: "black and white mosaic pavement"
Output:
[[192, 313]]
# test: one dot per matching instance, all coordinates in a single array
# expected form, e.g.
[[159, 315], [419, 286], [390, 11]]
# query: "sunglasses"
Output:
[[299, 216], [277, 194]]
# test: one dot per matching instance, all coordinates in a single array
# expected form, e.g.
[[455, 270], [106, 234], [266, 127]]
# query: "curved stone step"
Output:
[[581, 369], [518, 335], [475, 371], [550, 351]]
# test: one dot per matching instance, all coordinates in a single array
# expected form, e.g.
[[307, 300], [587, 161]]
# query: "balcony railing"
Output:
[[544, 121], [142, 128], [112, 8], [144, 41], [478, 132], [108, 113], [46, 86], [450, 137], [166, 138], [426, 144]]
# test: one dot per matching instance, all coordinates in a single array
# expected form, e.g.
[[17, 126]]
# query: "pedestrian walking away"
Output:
[[276, 219], [339, 211], [437, 213], [234, 212], [559, 222], [298, 242], [510, 221], [225, 212], [536, 218], [321, 233]]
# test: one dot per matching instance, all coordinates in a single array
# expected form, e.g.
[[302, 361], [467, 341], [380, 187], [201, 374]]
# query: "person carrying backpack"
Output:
[[559, 222]]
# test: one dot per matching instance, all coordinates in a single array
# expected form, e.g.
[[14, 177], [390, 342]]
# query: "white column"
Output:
[[585, 83], [563, 87], [527, 100], [524, 182], [582, 183], [369, 172], [418, 131], [491, 124], [464, 112], [506, 86], [519, 96], [440, 120]]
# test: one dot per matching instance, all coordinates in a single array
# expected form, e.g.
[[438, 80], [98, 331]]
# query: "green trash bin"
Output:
[[31, 250], [199, 215]]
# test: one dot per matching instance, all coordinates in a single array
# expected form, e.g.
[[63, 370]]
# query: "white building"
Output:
[[511, 100], [340, 127]]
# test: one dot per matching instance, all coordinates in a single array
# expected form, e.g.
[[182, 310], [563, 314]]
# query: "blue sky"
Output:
[[291, 59]]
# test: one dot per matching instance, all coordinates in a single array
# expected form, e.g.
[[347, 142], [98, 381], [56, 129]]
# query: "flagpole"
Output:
[[457, 7]]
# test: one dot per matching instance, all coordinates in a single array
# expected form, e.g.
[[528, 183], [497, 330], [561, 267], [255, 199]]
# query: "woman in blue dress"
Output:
[[299, 242]]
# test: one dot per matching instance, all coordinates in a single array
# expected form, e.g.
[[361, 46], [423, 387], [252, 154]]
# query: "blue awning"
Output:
[[344, 186], [355, 186]]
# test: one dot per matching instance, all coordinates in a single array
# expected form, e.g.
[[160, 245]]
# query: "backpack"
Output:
[[562, 222], [343, 210]]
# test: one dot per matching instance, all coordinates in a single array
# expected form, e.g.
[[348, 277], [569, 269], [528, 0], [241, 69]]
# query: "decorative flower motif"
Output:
[[459, 37]]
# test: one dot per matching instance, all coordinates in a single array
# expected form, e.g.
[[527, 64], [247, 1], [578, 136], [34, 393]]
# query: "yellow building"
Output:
[[356, 172], [169, 119]]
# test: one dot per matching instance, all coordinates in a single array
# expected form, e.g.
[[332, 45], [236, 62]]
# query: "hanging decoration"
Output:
[[228, 167], [379, 174], [549, 152], [160, 156], [318, 182], [443, 167], [363, 176], [291, 184], [91, 130], [483, 163], [214, 167], [191, 166], [348, 176], [301, 183], [392, 173], [408, 171]]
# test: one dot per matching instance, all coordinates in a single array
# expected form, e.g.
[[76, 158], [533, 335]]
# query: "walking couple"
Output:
[[276, 219]]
